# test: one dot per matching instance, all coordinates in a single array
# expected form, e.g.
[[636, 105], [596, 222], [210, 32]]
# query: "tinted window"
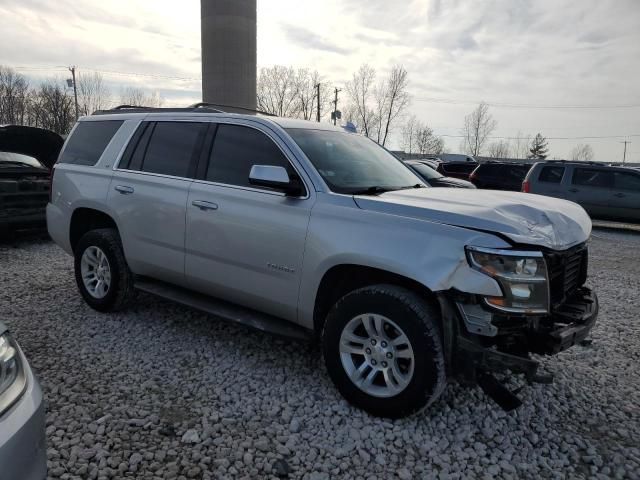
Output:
[[627, 181], [172, 148], [236, 149], [551, 174], [88, 141], [591, 177], [459, 167]]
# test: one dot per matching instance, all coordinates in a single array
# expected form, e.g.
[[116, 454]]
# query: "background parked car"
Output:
[[456, 169], [606, 192], [27, 155], [22, 435], [434, 178], [500, 175]]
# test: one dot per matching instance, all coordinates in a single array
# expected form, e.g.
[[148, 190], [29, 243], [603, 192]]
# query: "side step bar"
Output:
[[225, 310]]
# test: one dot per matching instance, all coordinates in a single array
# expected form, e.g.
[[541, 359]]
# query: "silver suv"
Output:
[[606, 192], [305, 230]]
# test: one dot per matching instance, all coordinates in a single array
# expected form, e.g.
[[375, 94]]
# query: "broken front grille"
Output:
[[567, 272]]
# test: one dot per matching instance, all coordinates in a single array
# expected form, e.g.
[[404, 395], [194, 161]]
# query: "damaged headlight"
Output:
[[522, 276], [12, 376]]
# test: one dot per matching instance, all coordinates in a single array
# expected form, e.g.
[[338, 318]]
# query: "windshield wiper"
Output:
[[377, 189]]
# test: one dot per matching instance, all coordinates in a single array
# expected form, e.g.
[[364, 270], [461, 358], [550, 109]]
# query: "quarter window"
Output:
[[171, 149], [627, 181], [592, 177], [551, 174], [88, 141], [236, 149]]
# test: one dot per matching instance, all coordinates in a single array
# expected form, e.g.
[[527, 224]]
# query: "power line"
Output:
[[551, 138]]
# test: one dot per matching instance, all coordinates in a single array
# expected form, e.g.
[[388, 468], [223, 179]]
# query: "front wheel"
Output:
[[383, 350]]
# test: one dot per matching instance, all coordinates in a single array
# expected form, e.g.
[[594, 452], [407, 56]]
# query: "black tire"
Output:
[[121, 289], [418, 319]]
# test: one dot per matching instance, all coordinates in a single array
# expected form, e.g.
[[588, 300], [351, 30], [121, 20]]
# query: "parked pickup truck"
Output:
[[306, 230]]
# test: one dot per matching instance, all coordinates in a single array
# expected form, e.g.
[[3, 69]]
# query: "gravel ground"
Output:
[[161, 391]]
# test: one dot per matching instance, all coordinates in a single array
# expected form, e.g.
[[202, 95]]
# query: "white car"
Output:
[[306, 230]]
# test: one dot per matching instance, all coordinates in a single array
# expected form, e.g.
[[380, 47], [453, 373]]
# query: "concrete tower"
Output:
[[229, 52]]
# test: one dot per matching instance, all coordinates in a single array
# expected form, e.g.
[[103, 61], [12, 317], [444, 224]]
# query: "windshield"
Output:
[[10, 158], [351, 163], [426, 171]]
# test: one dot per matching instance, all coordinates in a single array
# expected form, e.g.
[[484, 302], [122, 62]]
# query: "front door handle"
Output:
[[123, 189], [204, 205]]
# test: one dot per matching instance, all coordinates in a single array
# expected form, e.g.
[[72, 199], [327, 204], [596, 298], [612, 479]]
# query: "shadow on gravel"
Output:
[[21, 238]]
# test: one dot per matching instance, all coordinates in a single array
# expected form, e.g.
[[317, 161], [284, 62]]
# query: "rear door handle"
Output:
[[123, 189], [204, 205]]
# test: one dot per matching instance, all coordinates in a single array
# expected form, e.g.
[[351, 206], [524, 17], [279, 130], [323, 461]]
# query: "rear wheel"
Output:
[[102, 274], [383, 350]]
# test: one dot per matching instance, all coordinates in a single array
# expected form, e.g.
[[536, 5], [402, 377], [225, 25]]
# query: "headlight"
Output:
[[522, 276], [12, 377]]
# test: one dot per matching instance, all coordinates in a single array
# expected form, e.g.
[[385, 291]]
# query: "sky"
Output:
[[565, 68]]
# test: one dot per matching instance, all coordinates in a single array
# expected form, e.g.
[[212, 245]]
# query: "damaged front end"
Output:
[[545, 309]]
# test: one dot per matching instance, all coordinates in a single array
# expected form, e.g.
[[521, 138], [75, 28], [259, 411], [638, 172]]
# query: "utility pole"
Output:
[[318, 95], [624, 155], [72, 69], [335, 106]]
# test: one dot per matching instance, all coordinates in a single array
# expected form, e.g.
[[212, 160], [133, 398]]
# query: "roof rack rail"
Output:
[[201, 106], [208, 104]]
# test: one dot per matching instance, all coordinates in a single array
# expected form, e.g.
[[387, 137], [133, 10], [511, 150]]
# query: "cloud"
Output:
[[308, 39]]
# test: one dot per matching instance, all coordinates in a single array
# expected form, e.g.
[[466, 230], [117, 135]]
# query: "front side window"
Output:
[[627, 181], [171, 149], [88, 141], [551, 174], [591, 177], [351, 163], [236, 149]]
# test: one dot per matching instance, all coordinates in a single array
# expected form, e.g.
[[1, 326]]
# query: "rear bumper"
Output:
[[58, 227], [23, 452]]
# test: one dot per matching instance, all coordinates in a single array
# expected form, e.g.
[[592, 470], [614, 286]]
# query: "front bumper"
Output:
[[569, 324], [23, 452]]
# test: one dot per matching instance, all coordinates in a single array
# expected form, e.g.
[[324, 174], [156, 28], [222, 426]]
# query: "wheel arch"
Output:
[[85, 219], [344, 278]]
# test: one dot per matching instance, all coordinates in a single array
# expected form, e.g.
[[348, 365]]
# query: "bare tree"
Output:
[[277, 91], [360, 90], [93, 94], [582, 152], [499, 149], [478, 127], [52, 107], [394, 99], [139, 97], [419, 138], [520, 145], [14, 89]]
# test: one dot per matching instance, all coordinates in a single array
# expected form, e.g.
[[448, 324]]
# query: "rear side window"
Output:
[[591, 177], [627, 181], [168, 148], [236, 149], [551, 174], [88, 141]]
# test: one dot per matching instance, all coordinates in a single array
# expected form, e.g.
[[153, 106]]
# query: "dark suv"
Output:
[[454, 169], [606, 192], [500, 175]]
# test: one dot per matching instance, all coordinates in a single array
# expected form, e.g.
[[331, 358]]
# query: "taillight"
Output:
[[53, 170], [526, 186]]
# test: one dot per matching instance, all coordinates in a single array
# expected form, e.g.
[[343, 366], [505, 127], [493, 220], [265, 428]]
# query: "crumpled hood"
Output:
[[522, 217], [42, 144]]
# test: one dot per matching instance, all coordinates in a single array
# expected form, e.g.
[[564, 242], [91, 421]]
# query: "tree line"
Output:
[[377, 105], [50, 104]]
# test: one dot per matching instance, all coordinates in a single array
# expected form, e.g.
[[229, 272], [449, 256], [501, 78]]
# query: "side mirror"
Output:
[[274, 177]]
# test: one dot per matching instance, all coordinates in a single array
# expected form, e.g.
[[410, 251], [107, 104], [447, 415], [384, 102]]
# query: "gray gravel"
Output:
[[161, 391]]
